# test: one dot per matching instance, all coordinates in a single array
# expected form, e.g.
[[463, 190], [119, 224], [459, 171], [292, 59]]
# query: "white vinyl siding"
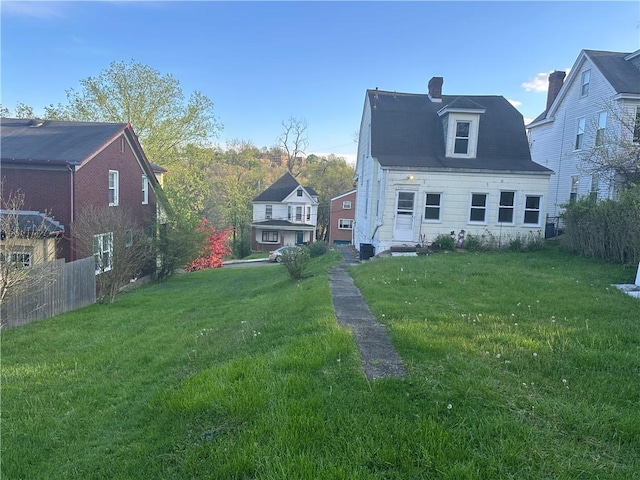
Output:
[[553, 141]]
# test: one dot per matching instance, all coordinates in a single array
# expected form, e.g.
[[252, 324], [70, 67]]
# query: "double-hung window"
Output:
[[573, 193], [432, 207], [346, 205], [580, 134], [345, 224], [461, 143], [532, 210], [505, 209], [145, 190], [298, 214], [21, 259], [636, 127], [103, 252], [478, 210], [114, 188], [584, 87], [268, 212], [602, 124]]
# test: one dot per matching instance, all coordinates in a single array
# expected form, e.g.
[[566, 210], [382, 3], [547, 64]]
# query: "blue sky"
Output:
[[263, 62]]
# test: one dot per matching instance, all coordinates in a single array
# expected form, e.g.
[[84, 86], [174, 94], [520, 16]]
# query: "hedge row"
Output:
[[608, 230]]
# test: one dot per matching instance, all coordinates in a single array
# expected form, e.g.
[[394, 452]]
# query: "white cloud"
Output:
[[32, 9], [349, 157], [540, 82], [515, 103]]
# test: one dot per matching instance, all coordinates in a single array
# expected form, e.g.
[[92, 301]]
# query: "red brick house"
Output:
[[63, 167], [341, 216]]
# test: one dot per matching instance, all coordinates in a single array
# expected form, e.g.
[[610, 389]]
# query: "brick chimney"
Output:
[[556, 79], [435, 89]]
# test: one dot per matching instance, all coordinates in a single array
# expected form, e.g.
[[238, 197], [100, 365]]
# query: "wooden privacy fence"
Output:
[[54, 288]]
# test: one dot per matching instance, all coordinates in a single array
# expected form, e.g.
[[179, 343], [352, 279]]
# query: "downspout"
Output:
[[383, 188], [72, 239]]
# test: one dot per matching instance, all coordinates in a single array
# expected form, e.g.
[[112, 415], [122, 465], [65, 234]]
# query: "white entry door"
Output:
[[405, 209]]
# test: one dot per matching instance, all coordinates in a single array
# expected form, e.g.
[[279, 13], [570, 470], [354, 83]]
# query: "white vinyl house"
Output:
[[598, 100], [286, 213], [431, 164]]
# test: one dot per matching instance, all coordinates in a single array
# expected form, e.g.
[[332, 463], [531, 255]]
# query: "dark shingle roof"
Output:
[[406, 132], [31, 221], [623, 76], [54, 141], [281, 189]]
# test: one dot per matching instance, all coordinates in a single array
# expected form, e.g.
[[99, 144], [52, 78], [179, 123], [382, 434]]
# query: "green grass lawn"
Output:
[[520, 366]]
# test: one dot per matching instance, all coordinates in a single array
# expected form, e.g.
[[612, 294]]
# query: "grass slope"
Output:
[[520, 366]]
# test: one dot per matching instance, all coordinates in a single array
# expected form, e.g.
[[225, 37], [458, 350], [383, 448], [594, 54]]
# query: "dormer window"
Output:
[[461, 121], [461, 145]]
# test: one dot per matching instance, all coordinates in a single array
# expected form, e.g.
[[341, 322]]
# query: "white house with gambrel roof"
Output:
[[286, 213], [430, 164], [584, 108]]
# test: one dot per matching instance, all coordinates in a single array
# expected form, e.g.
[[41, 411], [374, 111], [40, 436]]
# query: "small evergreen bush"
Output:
[[317, 249], [473, 243], [444, 242]]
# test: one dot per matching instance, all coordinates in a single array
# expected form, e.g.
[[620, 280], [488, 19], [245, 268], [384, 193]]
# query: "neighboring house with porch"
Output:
[[431, 164], [341, 216], [63, 167], [596, 104], [286, 213]]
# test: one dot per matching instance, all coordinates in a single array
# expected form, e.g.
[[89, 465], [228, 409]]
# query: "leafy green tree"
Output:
[[328, 176], [238, 179], [152, 103]]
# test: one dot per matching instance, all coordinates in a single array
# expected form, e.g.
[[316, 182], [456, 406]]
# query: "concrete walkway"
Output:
[[379, 357]]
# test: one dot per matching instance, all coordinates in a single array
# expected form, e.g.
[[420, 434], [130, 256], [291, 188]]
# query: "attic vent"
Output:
[[36, 122]]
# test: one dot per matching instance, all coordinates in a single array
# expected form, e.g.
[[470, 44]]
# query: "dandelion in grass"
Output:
[[449, 406], [498, 355], [535, 354]]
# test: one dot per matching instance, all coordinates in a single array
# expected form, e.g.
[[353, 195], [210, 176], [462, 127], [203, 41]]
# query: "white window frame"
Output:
[[268, 212], [506, 207], [433, 206], [21, 258], [114, 186], [584, 84], [298, 214], [575, 185], [601, 127], [308, 213], [636, 127], [345, 224], [528, 209], [473, 207], [579, 139], [299, 192], [145, 190], [267, 234], [346, 205], [456, 137], [103, 244]]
